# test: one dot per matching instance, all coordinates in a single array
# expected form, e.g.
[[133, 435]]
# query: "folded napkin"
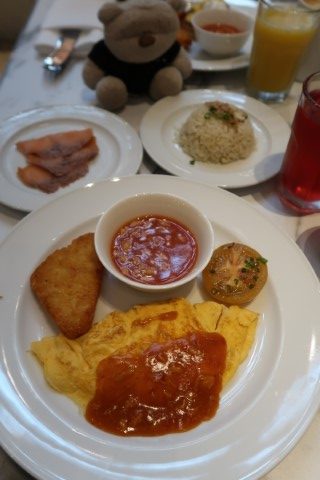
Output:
[[75, 14]]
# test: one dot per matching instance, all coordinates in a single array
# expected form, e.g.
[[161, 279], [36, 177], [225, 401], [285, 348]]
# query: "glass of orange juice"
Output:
[[282, 33]]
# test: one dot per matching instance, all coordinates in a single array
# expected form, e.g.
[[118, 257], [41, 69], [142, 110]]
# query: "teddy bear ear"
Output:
[[108, 12]]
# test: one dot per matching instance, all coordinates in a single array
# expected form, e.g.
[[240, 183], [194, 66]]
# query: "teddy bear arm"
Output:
[[112, 93], [167, 81], [183, 63], [91, 74]]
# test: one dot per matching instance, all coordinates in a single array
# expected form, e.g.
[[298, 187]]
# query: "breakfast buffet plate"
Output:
[[162, 122], [262, 412], [120, 149]]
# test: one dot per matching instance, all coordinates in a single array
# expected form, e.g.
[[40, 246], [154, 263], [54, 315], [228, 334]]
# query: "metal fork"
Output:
[[57, 59]]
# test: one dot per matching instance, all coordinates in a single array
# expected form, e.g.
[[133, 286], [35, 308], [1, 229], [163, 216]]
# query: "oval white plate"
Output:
[[162, 122], [120, 149], [263, 412]]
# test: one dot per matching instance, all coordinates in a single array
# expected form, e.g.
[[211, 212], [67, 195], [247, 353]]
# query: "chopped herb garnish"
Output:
[[219, 114], [250, 263], [223, 111], [192, 162], [226, 116], [210, 113], [262, 260]]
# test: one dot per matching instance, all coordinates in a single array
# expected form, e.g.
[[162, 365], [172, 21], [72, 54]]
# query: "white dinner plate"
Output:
[[120, 149], [163, 120], [263, 411], [202, 61]]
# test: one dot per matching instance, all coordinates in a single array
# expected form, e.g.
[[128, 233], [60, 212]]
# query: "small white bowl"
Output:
[[222, 44], [158, 204]]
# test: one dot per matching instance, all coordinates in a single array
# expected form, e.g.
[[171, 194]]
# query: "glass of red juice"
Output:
[[299, 178]]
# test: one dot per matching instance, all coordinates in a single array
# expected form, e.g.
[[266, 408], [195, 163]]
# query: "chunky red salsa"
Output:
[[220, 28], [154, 250], [168, 388]]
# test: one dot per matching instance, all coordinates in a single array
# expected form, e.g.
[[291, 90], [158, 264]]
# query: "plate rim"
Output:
[[221, 64], [213, 66], [29, 201], [305, 421]]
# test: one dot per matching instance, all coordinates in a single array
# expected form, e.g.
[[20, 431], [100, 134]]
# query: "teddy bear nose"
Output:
[[146, 39]]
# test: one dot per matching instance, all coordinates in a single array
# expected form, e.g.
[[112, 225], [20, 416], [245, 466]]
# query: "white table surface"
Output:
[[25, 85]]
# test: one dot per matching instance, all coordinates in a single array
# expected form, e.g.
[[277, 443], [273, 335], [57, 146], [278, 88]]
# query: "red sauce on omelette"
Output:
[[169, 388]]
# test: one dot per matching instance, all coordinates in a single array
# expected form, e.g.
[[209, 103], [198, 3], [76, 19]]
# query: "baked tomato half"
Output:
[[235, 274]]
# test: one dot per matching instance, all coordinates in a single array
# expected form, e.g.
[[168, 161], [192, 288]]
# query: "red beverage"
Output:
[[299, 180]]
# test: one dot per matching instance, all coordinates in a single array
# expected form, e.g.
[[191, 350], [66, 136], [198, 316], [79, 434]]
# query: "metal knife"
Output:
[[57, 59]]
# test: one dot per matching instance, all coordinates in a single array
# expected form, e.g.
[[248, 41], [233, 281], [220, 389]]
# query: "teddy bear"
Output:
[[139, 53]]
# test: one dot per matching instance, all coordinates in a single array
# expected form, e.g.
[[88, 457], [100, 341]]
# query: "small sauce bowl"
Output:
[[160, 206], [221, 44]]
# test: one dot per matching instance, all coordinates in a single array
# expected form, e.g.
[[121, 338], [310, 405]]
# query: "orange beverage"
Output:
[[281, 36]]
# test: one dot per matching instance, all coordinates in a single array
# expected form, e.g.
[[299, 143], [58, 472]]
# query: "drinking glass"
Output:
[[299, 177], [282, 33]]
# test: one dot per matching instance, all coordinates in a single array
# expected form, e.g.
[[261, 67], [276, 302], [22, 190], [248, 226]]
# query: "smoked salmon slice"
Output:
[[37, 177], [57, 144], [57, 160], [63, 165]]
